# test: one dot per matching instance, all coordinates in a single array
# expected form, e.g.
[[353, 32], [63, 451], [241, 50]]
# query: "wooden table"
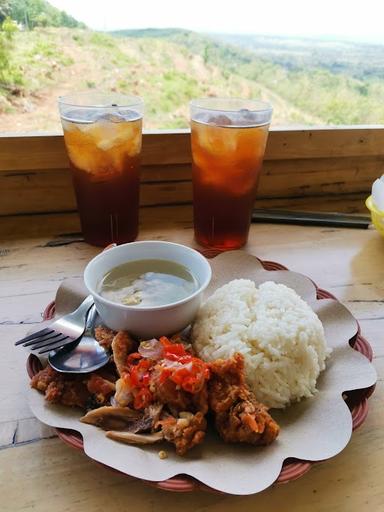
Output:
[[38, 472]]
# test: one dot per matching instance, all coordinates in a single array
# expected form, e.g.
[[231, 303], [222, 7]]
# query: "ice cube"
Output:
[[80, 117], [111, 117], [378, 193], [130, 115], [243, 117], [124, 137], [201, 117], [245, 112], [85, 160], [216, 141], [120, 116], [213, 119], [220, 120]]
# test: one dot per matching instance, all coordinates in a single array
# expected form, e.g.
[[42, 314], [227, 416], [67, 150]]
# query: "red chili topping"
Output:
[[133, 358], [189, 374], [186, 371], [142, 399], [140, 373]]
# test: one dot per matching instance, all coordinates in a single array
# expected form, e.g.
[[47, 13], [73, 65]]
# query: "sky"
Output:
[[337, 19]]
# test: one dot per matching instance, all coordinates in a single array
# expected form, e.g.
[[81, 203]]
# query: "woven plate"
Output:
[[292, 469]]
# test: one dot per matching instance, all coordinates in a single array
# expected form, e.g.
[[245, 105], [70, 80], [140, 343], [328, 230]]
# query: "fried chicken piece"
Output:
[[166, 392], [185, 432], [104, 336], [169, 393], [100, 388], [72, 393], [73, 390], [122, 345], [43, 378], [239, 417], [61, 389], [123, 396], [180, 381]]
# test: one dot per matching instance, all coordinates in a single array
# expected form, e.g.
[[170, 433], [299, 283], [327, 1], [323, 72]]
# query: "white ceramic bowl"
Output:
[[148, 322]]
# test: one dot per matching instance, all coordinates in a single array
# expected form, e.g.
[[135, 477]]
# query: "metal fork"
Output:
[[61, 332]]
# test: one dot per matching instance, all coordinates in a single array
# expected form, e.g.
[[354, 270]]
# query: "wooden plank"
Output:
[[347, 203], [32, 152], [48, 152], [363, 167], [355, 173], [162, 148], [325, 143], [51, 190], [161, 173], [36, 191], [305, 169], [51, 196]]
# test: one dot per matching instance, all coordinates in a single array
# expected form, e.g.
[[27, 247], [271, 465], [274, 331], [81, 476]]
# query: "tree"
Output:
[[9, 76], [5, 9], [19, 12], [39, 13]]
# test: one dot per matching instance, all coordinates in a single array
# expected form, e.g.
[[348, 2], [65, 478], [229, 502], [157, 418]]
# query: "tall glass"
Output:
[[102, 134], [228, 142]]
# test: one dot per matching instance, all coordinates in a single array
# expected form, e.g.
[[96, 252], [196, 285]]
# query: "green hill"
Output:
[[356, 60], [334, 82], [169, 67], [150, 32]]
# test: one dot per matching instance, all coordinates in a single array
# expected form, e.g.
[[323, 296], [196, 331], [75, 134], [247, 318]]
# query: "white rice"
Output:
[[281, 338]]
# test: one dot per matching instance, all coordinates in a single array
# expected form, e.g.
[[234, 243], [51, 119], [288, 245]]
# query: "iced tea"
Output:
[[227, 150], [104, 144]]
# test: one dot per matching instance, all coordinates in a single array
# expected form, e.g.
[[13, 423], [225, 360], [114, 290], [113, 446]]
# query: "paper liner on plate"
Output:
[[314, 429]]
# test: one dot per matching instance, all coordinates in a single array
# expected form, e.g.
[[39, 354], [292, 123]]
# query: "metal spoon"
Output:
[[82, 356]]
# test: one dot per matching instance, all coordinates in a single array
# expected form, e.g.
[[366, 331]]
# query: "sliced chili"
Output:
[[142, 399]]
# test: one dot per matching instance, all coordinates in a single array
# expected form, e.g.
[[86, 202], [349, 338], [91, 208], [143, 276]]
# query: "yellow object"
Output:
[[377, 216]]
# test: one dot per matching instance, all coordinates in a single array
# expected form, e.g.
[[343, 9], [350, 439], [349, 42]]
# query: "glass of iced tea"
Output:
[[228, 142], [102, 134]]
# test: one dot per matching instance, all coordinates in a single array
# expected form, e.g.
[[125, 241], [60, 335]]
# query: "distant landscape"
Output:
[[45, 53]]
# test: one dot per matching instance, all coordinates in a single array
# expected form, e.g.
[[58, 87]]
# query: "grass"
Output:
[[164, 72], [168, 68]]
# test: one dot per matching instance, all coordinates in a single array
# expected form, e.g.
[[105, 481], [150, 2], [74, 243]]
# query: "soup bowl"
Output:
[[154, 321]]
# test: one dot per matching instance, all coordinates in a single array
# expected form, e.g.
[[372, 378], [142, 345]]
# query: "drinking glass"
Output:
[[102, 134], [228, 138]]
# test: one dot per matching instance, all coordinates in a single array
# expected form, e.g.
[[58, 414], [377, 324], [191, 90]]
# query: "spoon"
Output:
[[85, 355]]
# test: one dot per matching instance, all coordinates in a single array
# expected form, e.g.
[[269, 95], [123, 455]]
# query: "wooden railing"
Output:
[[312, 169]]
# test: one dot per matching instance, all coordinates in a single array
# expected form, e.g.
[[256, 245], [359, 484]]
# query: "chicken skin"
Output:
[[86, 392], [239, 417], [178, 399], [122, 345], [104, 336], [185, 432]]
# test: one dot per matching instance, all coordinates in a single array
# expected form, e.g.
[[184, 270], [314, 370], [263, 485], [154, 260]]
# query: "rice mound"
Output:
[[281, 338]]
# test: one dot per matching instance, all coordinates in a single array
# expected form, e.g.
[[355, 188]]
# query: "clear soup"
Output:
[[148, 283]]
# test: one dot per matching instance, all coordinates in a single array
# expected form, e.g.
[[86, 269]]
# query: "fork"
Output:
[[61, 332]]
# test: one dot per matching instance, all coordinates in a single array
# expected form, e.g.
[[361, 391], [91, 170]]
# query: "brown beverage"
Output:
[[228, 151], [104, 145]]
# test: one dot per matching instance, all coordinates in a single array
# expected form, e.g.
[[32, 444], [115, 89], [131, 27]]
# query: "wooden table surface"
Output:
[[38, 472]]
